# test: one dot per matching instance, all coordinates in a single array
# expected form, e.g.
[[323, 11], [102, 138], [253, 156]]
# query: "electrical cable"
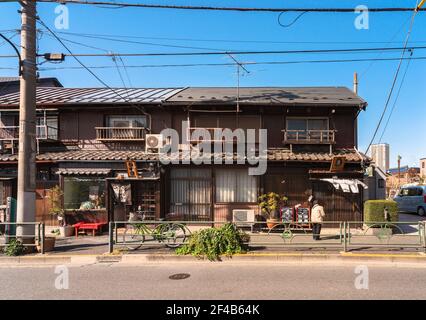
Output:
[[394, 79], [89, 70], [233, 64]]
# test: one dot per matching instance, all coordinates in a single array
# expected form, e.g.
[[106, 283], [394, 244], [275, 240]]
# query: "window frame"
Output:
[[307, 121], [234, 202]]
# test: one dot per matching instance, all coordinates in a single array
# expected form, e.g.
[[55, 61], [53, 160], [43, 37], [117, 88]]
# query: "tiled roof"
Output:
[[84, 171], [108, 155], [87, 155], [285, 155], [71, 96], [270, 95]]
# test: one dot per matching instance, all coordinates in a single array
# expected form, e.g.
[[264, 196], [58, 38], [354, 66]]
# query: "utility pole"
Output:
[[27, 124], [399, 171]]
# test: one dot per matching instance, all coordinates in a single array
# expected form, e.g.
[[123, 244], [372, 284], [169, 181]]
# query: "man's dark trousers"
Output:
[[316, 230]]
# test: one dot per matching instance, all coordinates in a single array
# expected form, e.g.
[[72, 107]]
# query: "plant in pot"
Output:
[[55, 197], [270, 204]]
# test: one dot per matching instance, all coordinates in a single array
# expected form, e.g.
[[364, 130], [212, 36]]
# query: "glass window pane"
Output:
[[296, 124], [125, 121], [317, 124], [84, 193]]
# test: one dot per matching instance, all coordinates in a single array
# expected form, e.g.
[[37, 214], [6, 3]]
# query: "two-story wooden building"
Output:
[[85, 135]]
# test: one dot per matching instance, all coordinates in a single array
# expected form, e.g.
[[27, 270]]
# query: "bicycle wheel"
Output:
[[133, 237], [174, 235]]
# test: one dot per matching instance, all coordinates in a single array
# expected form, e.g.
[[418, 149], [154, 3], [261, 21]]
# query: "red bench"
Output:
[[94, 226]]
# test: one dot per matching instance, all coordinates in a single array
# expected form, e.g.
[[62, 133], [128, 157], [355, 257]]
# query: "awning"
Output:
[[84, 171], [347, 185]]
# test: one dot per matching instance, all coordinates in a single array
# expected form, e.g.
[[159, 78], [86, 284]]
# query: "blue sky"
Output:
[[405, 131]]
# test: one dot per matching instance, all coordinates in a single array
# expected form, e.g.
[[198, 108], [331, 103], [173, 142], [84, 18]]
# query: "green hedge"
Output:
[[374, 210]]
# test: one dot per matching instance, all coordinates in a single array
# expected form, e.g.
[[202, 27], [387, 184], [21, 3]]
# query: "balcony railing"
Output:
[[44, 132], [120, 134], [309, 136]]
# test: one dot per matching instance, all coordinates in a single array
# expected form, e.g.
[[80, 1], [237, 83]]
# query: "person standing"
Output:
[[317, 217]]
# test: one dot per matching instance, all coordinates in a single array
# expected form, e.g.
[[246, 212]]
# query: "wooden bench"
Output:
[[94, 226]]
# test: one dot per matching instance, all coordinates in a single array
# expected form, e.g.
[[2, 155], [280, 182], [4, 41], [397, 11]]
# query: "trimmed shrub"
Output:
[[214, 242], [374, 211]]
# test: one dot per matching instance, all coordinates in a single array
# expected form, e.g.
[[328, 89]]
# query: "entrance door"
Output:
[[190, 193]]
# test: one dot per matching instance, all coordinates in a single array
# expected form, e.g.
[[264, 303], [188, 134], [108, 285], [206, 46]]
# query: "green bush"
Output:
[[374, 211], [14, 248], [214, 242]]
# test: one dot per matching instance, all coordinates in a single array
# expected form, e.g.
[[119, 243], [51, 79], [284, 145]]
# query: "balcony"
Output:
[[120, 133], [309, 136], [44, 132]]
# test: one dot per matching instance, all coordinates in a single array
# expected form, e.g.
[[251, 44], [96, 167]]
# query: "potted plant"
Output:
[[270, 204], [55, 197]]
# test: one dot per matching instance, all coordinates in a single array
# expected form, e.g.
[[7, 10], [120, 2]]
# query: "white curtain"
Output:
[[235, 186]]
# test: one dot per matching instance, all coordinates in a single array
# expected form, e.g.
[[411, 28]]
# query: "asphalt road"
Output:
[[213, 281]]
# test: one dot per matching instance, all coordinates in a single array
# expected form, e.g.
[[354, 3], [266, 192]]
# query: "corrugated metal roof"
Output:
[[8, 79], [71, 96], [315, 96], [270, 95], [108, 155]]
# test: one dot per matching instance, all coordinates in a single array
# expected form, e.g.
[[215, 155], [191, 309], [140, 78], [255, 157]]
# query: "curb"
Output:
[[338, 258]]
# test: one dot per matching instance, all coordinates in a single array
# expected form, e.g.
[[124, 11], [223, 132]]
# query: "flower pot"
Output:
[[270, 223], [66, 231], [49, 244]]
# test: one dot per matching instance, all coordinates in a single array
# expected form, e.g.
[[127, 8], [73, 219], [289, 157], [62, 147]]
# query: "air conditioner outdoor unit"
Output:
[[243, 217], [153, 143]]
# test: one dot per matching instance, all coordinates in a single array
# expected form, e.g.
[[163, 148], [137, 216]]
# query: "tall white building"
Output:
[[380, 155]]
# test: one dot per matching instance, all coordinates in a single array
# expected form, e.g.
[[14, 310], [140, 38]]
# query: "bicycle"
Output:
[[172, 234]]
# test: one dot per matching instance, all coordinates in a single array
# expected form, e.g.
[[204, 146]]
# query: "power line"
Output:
[[352, 50], [211, 8], [233, 64], [394, 79], [95, 35], [88, 69], [148, 43], [396, 100]]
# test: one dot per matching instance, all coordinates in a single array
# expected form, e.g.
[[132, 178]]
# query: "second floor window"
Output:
[[312, 130], [125, 121], [305, 124], [47, 127]]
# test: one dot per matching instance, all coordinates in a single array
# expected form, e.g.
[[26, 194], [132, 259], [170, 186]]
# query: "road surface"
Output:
[[266, 280]]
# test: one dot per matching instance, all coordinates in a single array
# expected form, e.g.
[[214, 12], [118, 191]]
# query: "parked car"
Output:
[[412, 199]]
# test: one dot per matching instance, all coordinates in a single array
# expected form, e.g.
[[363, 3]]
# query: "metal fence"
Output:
[[8, 232], [346, 236]]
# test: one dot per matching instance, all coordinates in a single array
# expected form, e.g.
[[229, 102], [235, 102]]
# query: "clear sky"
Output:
[[248, 31]]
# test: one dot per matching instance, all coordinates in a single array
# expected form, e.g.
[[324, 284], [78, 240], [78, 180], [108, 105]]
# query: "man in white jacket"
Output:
[[317, 217]]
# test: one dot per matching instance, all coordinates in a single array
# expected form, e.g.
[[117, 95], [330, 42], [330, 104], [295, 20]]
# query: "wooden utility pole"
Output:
[[399, 171], [27, 123]]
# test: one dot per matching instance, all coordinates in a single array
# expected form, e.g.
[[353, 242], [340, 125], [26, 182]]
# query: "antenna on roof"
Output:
[[239, 65]]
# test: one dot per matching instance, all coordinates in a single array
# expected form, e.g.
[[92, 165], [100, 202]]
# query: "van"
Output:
[[412, 199]]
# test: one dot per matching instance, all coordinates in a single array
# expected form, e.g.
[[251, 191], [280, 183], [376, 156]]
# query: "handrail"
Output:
[[120, 133], [387, 234], [39, 234], [309, 136], [43, 132]]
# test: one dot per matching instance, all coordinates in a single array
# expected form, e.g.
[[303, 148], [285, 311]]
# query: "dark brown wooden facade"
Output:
[[79, 146]]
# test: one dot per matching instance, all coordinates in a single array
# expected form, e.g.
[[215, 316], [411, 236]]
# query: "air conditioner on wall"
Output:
[[153, 143], [243, 217]]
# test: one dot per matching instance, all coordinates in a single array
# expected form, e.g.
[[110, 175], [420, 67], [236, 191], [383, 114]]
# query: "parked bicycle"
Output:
[[172, 234]]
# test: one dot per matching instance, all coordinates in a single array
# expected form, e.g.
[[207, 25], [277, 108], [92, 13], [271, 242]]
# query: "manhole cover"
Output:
[[179, 276]]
